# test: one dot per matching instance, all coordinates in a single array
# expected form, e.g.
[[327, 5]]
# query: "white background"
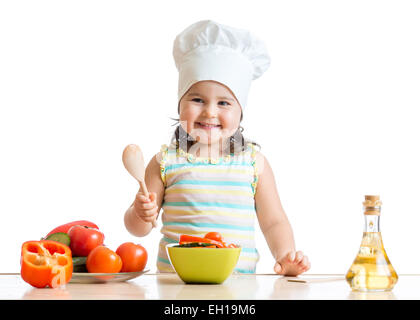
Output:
[[336, 116]]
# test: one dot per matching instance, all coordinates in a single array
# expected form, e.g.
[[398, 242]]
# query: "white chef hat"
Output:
[[207, 50]]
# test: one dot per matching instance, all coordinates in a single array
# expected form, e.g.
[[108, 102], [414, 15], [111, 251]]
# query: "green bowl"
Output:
[[203, 265]]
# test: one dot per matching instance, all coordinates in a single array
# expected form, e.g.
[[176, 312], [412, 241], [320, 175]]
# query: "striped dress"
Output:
[[203, 195]]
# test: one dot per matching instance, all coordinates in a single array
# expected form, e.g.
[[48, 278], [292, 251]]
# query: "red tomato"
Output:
[[84, 239], [66, 227], [214, 236], [134, 257], [103, 260]]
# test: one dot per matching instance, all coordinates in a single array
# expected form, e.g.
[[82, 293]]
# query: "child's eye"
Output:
[[198, 100], [224, 103]]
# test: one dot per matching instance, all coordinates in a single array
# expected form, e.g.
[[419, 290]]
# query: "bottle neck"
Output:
[[371, 223]]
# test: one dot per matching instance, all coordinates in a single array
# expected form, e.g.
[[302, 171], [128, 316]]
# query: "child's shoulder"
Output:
[[163, 152], [260, 161], [255, 151], [158, 157]]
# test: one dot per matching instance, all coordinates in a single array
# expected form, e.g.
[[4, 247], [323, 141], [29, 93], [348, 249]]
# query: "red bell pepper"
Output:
[[185, 238], [46, 263]]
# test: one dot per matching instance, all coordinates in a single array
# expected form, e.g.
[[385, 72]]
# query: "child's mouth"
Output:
[[207, 126]]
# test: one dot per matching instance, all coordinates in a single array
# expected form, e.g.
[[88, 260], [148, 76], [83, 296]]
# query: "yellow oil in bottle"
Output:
[[371, 269]]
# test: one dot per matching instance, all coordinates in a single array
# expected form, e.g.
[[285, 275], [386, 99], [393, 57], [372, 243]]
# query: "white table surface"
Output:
[[236, 287]]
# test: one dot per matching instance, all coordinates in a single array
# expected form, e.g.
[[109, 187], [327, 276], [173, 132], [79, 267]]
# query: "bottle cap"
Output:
[[372, 205]]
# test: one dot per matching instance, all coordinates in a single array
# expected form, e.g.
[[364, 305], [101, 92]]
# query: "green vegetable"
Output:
[[79, 261], [194, 244], [61, 237], [81, 268], [79, 264]]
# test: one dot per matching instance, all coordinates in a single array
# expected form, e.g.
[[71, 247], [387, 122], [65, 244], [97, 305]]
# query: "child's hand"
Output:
[[292, 264], [146, 208]]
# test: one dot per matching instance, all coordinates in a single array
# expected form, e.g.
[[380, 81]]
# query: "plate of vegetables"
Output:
[[75, 252], [82, 275]]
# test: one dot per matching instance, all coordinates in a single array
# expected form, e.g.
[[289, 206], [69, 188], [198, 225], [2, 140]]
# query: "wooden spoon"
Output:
[[134, 163]]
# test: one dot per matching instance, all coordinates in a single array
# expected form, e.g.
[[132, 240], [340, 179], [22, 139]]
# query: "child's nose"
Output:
[[210, 110]]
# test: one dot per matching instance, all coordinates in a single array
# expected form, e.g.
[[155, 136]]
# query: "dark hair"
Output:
[[237, 142]]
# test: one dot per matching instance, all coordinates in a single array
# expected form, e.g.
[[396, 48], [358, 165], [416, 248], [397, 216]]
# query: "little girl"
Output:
[[210, 178]]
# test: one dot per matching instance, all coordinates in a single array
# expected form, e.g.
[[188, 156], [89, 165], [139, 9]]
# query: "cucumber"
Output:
[[79, 261], [61, 237], [79, 264], [81, 268]]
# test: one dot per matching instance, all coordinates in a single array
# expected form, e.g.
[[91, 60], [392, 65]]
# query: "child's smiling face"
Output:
[[209, 112]]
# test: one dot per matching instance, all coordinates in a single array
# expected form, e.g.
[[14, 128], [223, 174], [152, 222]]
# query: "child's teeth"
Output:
[[208, 125]]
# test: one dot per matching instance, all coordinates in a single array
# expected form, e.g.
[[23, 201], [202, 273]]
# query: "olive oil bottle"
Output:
[[372, 270]]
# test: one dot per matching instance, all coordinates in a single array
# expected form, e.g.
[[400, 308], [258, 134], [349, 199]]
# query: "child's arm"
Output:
[[138, 217], [274, 223]]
